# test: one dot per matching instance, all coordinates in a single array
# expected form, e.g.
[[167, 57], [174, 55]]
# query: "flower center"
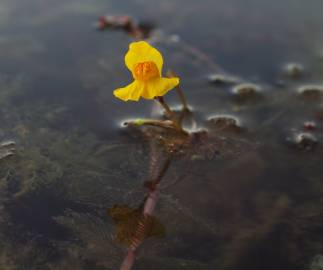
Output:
[[145, 71]]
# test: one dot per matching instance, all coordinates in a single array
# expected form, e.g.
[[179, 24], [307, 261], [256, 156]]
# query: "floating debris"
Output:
[[293, 70], [5, 154], [221, 79], [311, 92], [225, 123], [7, 149], [303, 141], [246, 92], [310, 125], [115, 22], [8, 144], [145, 28], [125, 23]]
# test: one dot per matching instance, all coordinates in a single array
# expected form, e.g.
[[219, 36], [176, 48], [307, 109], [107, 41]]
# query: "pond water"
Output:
[[248, 196]]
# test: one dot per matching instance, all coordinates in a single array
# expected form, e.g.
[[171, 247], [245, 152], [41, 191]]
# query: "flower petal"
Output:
[[159, 87], [132, 91], [141, 51]]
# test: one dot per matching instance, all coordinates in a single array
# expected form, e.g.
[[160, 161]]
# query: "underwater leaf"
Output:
[[157, 228], [132, 226]]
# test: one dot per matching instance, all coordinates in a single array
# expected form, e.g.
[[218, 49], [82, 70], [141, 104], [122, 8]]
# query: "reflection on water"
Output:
[[247, 196]]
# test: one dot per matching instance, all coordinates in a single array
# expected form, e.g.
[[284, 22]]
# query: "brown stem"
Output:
[[182, 97], [168, 110], [179, 90], [128, 260], [151, 122], [182, 115], [171, 115]]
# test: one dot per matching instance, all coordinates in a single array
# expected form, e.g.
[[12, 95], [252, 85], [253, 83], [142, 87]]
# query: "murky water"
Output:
[[248, 196]]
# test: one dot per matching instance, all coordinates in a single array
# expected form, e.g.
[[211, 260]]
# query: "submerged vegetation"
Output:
[[230, 178]]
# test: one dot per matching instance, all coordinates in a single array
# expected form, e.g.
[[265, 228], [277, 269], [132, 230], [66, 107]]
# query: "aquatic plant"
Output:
[[127, 24], [167, 139], [86, 171], [145, 63]]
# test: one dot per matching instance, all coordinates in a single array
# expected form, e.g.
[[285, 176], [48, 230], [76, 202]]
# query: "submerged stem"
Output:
[[153, 184], [148, 210]]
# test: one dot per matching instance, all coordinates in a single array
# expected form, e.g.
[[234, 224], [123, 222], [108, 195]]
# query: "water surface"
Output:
[[241, 200]]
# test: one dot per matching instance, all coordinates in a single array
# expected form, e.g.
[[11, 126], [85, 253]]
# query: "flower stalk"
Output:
[[171, 74], [168, 110]]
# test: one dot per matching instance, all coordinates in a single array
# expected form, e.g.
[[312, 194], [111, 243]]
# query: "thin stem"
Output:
[[179, 90], [155, 182], [148, 210], [129, 260], [182, 115], [171, 114], [177, 124], [168, 110], [182, 97], [151, 122]]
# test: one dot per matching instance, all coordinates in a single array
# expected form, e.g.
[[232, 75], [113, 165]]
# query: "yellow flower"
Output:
[[145, 63]]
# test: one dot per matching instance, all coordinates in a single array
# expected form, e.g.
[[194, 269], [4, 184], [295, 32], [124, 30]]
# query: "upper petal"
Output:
[[142, 51], [132, 91]]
